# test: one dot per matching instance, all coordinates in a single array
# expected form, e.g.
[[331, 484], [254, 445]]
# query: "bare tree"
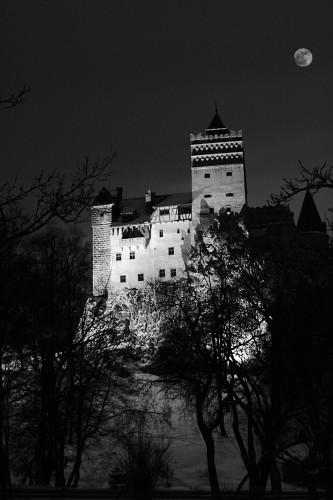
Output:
[[209, 325], [14, 99], [313, 179], [25, 209]]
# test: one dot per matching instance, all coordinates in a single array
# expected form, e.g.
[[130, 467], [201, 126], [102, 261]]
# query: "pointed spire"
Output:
[[309, 219], [103, 198], [217, 126]]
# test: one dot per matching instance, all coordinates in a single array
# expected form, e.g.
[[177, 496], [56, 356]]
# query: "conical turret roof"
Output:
[[217, 125], [103, 198], [309, 218]]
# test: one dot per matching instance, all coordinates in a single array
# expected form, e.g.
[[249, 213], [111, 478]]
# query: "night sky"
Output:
[[139, 76]]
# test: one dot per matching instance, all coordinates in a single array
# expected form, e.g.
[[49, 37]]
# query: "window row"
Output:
[[178, 231], [161, 274], [209, 195], [228, 174], [171, 251]]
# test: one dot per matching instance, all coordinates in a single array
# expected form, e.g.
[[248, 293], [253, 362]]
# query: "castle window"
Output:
[[207, 196], [161, 233], [118, 256], [161, 273], [172, 273], [228, 209], [188, 231], [112, 231], [117, 230], [171, 251], [230, 194], [140, 277], [123, 278], [178, 230], [207, 176], [229, 174], [132, 255]]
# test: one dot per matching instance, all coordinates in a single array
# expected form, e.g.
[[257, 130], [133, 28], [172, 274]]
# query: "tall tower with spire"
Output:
[[218, 173]]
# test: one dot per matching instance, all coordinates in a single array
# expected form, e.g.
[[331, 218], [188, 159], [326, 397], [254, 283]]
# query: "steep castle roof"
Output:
[[217, 125], [103, 198], [309, 218]]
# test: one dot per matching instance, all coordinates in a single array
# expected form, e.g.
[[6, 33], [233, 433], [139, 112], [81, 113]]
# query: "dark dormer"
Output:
[[132, 232], [128, 216]]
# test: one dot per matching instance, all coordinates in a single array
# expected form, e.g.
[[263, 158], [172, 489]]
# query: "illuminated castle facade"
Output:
[[148, 238]]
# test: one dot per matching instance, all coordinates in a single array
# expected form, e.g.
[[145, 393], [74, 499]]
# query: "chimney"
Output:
[[148, 197]]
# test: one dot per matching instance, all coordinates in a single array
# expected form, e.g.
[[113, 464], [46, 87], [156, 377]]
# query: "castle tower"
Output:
[[218, 173], [101, 219], [311, 230]]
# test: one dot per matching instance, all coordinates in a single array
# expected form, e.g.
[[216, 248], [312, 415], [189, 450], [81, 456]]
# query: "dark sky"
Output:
[[141, 75]]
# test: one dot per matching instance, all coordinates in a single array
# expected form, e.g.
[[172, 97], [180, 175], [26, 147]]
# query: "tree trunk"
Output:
[[74, 477], [5, 478], [210, 450], [44, 462], [275, 477]]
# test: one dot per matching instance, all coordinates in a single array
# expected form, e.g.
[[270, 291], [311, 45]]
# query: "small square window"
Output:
[[123, 278], [211, 210], [171, 251], [161, 273], [229, 174], [161, 233], [118, 256], [173, 273], [140, 277], [132, 255], [207, 176]]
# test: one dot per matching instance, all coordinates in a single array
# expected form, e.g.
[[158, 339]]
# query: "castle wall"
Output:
[[213, 194], [137, 261]]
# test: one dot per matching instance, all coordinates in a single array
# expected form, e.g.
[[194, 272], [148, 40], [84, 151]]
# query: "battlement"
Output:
[[216, 137]]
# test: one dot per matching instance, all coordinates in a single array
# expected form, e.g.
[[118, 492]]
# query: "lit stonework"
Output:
[[145, 239], [218, 173]]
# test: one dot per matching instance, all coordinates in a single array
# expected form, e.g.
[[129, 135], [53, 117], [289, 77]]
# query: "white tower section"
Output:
[[218, 173]]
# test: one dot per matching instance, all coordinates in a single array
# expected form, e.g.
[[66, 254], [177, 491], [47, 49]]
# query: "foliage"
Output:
[[144, 461], [209, 329], [64, 381]]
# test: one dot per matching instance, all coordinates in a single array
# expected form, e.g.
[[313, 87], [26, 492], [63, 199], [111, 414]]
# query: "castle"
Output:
[[138, 240]]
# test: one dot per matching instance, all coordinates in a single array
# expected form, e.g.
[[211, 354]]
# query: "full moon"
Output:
[[303, 57]]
